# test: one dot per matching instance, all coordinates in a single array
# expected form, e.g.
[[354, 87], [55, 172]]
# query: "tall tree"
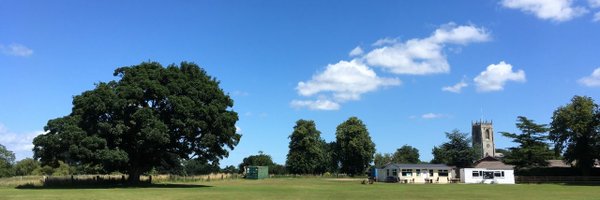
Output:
[[406, 154], [381, 160], [7, 160], [575, 130], [532, 150], [456, 152], [332, 161], [151, 116], [26, 166], [354, 146], [306, 154]]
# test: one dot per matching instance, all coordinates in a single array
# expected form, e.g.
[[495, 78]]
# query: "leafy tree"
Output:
[[278, 169], [332, 161], [306, 154], [26, 166], [230, 169], [196, 167], [406, 154], [7, 159], [381, 160], [456, 152], [43, 171], [151, 116], [532, 150], [575, 130], [504, 152], [63, 169], [354, 146], [257, 160]]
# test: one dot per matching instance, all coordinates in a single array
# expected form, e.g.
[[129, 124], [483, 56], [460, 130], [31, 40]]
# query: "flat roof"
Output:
[[418, 166]]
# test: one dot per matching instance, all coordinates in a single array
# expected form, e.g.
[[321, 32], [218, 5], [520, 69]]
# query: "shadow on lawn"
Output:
[[112, 186]]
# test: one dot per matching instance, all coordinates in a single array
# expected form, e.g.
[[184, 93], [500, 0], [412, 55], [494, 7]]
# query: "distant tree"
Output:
[[332, 160], [7, 160], [532, 150], [575, 130], [151, 116], [456, 152], [26, 166], [230, 169], [381, 160], [256, 160], [307, 153], [354, 146], [63, 169], [278, 169], [197, 167], [406, 154], [43, 171]]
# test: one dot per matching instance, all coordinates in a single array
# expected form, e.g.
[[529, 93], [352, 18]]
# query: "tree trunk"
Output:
[[134, 177]]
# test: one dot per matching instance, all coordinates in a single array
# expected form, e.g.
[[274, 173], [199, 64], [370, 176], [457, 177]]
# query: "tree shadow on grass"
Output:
[[113, 186]]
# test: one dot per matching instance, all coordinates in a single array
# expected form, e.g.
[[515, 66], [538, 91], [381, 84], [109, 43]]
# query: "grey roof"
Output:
[[418, 166]]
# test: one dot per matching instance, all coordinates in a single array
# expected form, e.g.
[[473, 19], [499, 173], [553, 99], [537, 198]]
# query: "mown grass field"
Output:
[[310, 188]]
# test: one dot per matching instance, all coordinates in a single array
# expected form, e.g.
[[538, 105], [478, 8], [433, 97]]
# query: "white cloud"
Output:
[[423, 56], [385, 41], [356, 52], [456, 88], [594, 3], [592, 80], [556, 10], [495, 77], [238, 130], [345, 80], [596, 17], [15, 50], [432, 115], [321, 104], [19, 143]]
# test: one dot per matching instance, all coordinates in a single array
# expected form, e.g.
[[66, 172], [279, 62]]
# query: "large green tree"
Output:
[[150, 116], [7, 160], [406, 154], [380, 160], [532, 150], [354, 146], [456, 152], [575, 130], [307, 149]]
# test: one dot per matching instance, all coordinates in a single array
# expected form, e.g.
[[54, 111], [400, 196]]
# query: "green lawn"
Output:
[[305, 188]]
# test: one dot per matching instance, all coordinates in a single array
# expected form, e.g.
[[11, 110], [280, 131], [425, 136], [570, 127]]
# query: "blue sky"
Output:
[[386, 62]]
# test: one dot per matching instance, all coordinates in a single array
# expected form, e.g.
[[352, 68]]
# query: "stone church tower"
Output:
[[482, 135]]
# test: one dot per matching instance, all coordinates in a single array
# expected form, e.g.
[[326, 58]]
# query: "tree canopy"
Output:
[[380, 160], [575, 130], [456, 152], [532, 150], [354, 146], [406, 154], [151, 116], [307, 150], [7, 159]]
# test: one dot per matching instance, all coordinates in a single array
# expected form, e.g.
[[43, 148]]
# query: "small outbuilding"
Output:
[[257, 172], [488, 170]]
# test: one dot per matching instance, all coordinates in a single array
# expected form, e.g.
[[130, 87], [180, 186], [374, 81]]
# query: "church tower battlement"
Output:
[[482, 135]]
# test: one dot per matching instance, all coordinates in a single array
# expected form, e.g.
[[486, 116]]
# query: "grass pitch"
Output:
[[310, 188]]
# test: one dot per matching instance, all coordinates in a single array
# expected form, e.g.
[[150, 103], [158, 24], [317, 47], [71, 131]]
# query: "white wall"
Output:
[[466, 176]]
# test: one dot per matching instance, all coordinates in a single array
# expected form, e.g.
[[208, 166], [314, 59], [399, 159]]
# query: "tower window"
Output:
[[487, 134]]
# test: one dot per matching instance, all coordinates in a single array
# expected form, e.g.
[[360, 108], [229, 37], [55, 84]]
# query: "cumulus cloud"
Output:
[[423, 56], [592, 80], [594, 3], [356, 52], [346, 80], [385, 41], [495, 77], [456, 88], [15, 50], [433, 115], [556, 10], [19, 143], [321, 104]]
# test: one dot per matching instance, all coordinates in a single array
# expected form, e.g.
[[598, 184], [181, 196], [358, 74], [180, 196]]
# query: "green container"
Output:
[[257, 172]]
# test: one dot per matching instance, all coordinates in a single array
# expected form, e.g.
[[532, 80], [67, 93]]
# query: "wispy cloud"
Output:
[[433, 116], [15, 50], [321, 104], [19, 143], [456, 88], [357, 51], [555, 10], [592, 80], [496, 75]]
